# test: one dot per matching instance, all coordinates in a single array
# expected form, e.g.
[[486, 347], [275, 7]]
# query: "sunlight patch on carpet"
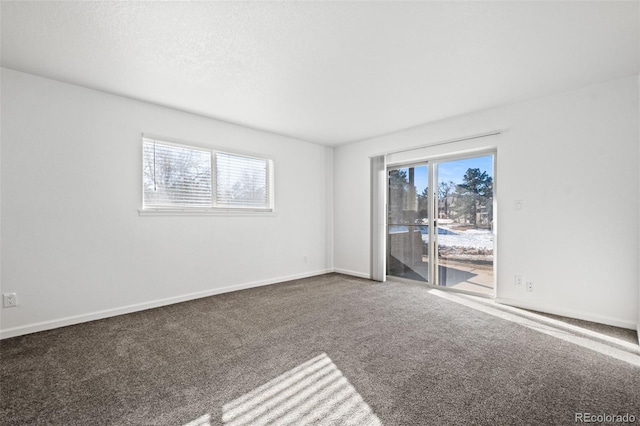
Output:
[[200, 421], [315, 392], [567, 332]]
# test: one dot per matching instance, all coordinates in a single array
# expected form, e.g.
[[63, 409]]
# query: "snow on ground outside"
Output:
[[477, 238]]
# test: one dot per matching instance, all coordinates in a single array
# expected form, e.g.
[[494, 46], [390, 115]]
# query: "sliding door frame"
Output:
[[432, 163]]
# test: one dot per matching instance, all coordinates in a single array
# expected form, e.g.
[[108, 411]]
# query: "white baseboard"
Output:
[[92, 316], [352, 273], [616, 322]]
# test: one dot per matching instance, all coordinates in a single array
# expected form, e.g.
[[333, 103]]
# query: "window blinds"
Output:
[[242, 182], [176, 176], [184, 177]]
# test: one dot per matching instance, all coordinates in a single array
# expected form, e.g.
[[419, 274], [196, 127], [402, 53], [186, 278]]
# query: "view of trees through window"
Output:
[[463, 214], [468, 201], [176, 176], [241, 180]]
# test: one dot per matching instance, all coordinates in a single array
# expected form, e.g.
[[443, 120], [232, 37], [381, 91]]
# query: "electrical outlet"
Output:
[[519, 280], [9, 300], [517, 204], [530, 286]]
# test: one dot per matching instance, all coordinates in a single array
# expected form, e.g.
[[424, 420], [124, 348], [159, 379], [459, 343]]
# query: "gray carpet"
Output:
[[323, 350]]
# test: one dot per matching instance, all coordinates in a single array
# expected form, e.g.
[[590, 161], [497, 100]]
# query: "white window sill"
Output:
[[196, 212]]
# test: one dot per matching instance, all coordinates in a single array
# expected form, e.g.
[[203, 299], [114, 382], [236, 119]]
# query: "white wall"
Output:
[[73, 245], [573, 159]]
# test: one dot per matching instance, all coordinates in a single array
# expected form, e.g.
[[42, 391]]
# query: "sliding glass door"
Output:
[[456, 196]]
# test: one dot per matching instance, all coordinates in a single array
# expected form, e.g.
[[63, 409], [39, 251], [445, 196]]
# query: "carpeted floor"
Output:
[[325, 350]]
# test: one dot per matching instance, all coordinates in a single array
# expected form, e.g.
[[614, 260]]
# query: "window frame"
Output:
[[214, 209]]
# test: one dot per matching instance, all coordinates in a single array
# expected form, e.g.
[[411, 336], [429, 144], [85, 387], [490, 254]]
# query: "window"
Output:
[[184, 178], [176, 176]]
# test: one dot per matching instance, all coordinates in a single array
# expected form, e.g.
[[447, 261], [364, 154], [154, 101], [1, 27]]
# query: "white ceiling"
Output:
[[325, 72]]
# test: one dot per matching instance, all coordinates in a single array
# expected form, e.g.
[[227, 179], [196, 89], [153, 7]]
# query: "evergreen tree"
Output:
[[475, 192]]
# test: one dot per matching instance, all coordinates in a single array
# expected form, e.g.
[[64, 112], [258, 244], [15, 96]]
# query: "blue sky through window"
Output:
[[453, 170]]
